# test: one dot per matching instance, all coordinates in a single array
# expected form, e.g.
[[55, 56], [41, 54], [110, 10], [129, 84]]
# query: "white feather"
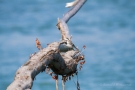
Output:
[[71, 4]]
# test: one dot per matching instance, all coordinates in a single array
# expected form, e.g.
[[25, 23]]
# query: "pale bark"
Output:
[[61, 57]]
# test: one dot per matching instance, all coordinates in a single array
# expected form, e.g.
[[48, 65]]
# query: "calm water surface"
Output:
[[106, 27]]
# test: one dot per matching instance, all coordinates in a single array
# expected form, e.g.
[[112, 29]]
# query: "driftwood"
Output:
[[61, 57]]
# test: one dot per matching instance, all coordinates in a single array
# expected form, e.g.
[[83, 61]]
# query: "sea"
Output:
[[105, 27]]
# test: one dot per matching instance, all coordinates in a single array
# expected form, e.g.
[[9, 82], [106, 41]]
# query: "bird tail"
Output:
[[71, 4]]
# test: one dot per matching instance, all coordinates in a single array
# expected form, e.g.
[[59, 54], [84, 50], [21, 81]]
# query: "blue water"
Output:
[[106, 27]]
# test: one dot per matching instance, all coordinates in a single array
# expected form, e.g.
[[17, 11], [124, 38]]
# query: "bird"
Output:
[[65, 46], [71, 4], [38, 44]]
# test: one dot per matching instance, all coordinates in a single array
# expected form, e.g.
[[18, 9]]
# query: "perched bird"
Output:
[[71, 4], [38, 45], [65, 46]]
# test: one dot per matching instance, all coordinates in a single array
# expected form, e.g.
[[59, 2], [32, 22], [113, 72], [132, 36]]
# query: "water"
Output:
[[106, 27]]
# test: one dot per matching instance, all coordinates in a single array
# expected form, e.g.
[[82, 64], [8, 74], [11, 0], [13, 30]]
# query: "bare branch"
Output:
[[61, 57], [73, 11], [61, 64], [62, 26], [37, 63]]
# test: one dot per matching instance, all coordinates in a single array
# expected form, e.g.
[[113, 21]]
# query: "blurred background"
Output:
[[106, 27]]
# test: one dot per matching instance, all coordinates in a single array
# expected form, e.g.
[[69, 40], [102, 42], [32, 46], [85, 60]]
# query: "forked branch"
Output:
[[62, 26], [61, 57]]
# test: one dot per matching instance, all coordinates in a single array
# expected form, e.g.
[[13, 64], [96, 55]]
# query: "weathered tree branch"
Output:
[[62, 26], [46, 58], [73, 11], [61, 57]]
